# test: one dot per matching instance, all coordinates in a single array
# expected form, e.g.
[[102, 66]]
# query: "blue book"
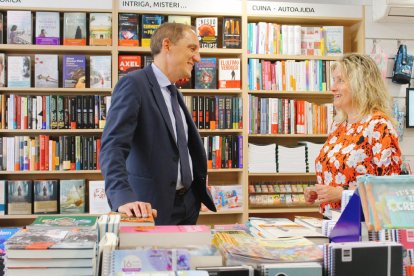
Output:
[[74, 67], [5, 234]]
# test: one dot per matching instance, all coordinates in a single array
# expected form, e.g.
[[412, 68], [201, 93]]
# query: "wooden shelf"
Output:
[[55, 91], [281, 174], [295, 136], [212, 91], [224, 170], [42, 173], [36, 215], [51, 132], [64, 49], [291, 57], [219, 131], [284, 210], [293, 94], [207, 213], [203, 51]]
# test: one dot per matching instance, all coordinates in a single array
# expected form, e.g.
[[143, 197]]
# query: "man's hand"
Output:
[[137, 209]]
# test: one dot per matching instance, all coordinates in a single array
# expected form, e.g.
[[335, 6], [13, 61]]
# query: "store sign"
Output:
[[58, 4], [270, 8], [230, 7]]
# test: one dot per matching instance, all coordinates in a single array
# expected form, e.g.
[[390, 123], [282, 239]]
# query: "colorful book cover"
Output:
[[6, 234], [19, 197], [1, 28], [100, 29], [72, 196], [45, 196], [150, 22], [232, 32], [18, 71], [229, 73], [128, 29], [19, 27], [100, 71], [62, 221], [227, 197], [46, 71], [183, 19], [141, 260], [2, 197], [98, 202], [183, 83], [2, 70], [206, 73], [334, 40], [128, 64], [47, 28], [207, 31], [74, 71], [74, 28]]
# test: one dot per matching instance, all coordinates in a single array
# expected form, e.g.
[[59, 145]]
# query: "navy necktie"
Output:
[[186, 178]]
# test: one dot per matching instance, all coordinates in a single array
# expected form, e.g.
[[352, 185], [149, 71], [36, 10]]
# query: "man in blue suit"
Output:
[[152, 156]]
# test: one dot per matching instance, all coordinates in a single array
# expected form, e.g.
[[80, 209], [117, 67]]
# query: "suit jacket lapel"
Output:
[[159, 99]]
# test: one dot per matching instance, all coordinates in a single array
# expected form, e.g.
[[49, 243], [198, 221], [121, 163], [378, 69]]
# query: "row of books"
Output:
[[22, 197], [53, 112], [47, 29], [275, 158], [219, 112], [290, 75], [227, 197], [47, 71], [224, 151], [49, 153], [277, 200], [272, 38], [81, 28], [277, 187], [288, 116]]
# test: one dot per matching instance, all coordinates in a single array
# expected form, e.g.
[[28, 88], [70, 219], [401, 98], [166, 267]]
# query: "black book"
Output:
[[73, 112], [85, 110], [91, 111], [53, 112], [60, 112], [79, 110], [66, 117], [200, 112]]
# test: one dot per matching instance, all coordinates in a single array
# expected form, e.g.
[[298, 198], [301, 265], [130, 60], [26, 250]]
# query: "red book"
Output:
[[46, 157], [42, 152], [98, 152]]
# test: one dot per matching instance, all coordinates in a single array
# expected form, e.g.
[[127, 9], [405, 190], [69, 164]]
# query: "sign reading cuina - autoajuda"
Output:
[[287, 9]]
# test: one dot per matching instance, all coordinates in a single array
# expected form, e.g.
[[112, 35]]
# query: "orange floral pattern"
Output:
[[369, 146]]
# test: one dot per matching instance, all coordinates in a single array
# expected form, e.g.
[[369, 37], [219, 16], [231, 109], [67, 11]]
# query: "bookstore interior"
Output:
[[263, 96]]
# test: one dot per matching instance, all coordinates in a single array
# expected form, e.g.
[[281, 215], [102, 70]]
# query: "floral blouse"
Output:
[[369, 146]]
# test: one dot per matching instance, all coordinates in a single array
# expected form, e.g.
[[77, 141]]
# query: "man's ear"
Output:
[[166, 44]]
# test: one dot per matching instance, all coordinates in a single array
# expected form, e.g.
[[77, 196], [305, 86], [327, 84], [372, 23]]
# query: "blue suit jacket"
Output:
[[139, 156]]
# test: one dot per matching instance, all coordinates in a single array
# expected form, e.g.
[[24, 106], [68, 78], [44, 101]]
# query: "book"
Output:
[[2, 70], [18, 71], [134, 221], [128, 25], [207, 31], [1, 28], [231, 32], [206, 73], [74, 67], [46, 71], [2, 197], [51, 271], [183, 19], [46, 263], [47, 28], [52, 243], [150, 260], [150, 22], [107, 245], [227, 197], [240, 270], [74, 28], [165, 236], [98, 202], [292, 269], [19, 27], [5, 234], [45, 196], [100, 71], [19, 197], [128, 64], [100, 29], [229, 73], [72, 196], [64, 222], [334, 41]]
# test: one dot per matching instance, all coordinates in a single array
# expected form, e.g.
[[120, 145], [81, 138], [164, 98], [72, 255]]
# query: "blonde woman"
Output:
[[362, 139]]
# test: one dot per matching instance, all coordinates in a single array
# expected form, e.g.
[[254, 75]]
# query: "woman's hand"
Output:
[[328, 194], [310, 195]]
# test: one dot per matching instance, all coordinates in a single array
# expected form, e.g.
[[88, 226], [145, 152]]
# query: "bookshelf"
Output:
[[333, 15]]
